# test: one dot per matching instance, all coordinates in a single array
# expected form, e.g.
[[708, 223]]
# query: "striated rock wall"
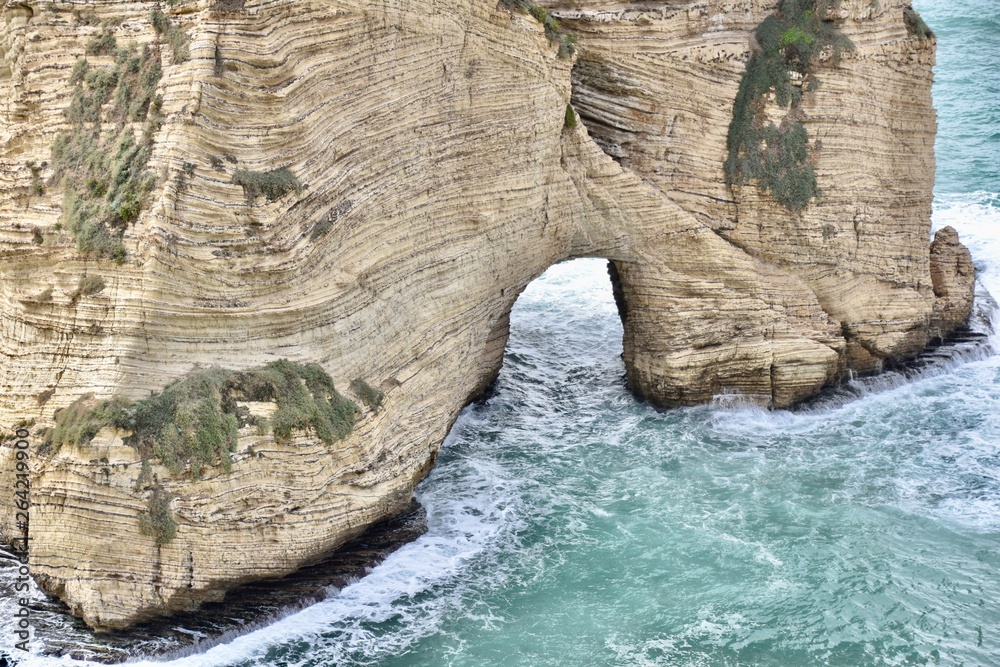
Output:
[[439, 178], [655, 82]]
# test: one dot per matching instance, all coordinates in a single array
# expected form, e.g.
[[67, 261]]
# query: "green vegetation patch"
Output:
[[569, 122], [79, 422], [305, 396], [104, 44], [553, 31], [158, 519], [194, 421], [777, 156], [368, 394], [88, 286], [37, 184], [186, 425], [99, 161], [179, 42], [915, 24], [273, 184]]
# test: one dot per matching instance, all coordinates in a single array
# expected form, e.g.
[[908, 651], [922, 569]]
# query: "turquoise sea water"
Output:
[[572, 526]]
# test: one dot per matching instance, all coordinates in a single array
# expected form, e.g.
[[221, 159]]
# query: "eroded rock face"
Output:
[[655, 86], [438, 178], [954, 280]]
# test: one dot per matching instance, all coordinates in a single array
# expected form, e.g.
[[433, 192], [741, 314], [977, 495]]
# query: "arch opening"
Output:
[[563, 338]]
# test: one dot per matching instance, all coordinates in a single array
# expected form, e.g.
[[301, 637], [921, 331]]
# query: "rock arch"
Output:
[[439, 177]]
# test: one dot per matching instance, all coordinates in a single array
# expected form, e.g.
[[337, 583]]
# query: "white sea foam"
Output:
[[463, 520]]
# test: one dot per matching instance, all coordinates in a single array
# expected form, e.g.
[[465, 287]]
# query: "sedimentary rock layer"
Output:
[[654, 82], [438, 176]]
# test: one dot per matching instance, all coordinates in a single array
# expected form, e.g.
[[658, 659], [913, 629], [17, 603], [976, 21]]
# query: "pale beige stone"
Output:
[[954, 280], [431, 135], [657, 95]]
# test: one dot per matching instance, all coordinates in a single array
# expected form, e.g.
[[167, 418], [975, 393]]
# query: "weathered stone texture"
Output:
[[655, 84], [954, 280], [430, 139]]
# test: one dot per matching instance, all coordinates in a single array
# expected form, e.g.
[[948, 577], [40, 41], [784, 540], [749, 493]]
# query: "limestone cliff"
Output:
[[369, 185]]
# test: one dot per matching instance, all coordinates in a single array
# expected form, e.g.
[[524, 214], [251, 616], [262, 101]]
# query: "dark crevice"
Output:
[[617, 291]]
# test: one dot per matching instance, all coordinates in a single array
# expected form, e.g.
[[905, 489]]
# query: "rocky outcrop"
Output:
[[416, 169], [954, 280], [655, 87]]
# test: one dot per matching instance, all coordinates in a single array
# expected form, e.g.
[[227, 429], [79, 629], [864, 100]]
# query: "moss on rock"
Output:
[[793, 40], [100, 162], [194, 421]]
